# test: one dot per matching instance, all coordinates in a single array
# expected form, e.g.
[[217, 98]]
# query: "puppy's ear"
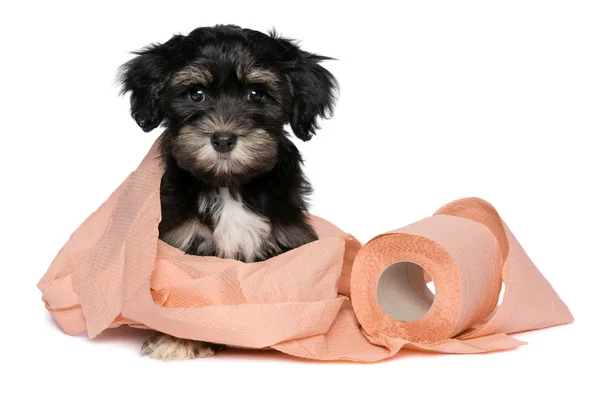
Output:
[[146, 77], [314, 88]]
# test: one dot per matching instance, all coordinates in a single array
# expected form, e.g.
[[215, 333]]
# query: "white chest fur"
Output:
[[238, 230]]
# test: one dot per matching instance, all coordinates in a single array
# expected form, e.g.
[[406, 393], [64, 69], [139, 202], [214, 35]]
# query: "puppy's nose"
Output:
[[224, 142]]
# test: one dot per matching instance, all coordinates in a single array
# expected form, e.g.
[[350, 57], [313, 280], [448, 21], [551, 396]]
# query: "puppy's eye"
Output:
[[256, 95], [197, 95]]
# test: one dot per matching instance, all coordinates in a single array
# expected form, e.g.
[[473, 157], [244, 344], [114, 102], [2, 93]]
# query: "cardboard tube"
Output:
[[402, 291]]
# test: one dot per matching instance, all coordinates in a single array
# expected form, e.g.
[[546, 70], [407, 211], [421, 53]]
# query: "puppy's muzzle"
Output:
[[224, 142]]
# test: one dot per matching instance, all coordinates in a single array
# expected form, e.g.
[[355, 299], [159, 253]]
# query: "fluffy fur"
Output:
[[233, 185]]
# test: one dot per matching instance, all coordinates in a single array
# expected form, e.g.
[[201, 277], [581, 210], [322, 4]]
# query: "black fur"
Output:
[[268, 175]]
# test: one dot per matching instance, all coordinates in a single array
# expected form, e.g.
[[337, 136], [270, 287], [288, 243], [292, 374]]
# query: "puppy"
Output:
[[233, 185]]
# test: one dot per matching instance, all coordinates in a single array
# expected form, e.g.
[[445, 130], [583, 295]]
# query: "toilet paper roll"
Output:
[[467, 251]]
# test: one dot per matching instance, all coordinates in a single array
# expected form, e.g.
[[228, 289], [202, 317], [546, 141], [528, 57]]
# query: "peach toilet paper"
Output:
[[332, 299]]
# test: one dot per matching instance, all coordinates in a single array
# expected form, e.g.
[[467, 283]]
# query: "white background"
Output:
[[439, 100]]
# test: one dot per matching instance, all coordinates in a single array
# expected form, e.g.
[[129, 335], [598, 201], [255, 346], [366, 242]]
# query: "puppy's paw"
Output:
[[161, 346]]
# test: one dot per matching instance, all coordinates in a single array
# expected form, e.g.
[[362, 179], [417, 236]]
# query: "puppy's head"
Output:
[[225, 94]]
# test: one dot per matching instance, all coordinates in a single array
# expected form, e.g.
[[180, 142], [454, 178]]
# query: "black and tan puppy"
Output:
[[233, 185]]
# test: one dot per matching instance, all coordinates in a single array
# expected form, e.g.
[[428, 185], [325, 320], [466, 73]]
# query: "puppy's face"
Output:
[[225, 95], [227, 110]]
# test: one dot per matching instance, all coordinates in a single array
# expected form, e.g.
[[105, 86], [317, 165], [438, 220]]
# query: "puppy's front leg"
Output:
[[193, 237], [161, 346]]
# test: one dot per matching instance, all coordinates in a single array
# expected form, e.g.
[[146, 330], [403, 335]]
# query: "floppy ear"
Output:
[[314, 89], [146, 77]]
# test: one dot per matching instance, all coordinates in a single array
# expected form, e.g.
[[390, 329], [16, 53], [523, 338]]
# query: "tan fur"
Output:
[[193, 76], [240, 72], [253, 147], [249, 74], [160, 346], [261, 75], [256, 146], [216, 123], [183, 236], [289, 235]]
